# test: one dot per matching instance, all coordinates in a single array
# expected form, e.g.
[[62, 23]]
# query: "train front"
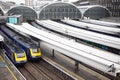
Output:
[[20, 56], [35, 51]]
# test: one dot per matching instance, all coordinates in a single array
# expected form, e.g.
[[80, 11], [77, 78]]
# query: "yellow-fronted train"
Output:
[[16, 54], [28, 45]]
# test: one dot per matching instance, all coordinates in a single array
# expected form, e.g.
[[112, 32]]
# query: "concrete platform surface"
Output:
[[5, 72]]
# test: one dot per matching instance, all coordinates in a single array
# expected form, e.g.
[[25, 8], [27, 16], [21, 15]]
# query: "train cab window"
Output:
[[35, 50]]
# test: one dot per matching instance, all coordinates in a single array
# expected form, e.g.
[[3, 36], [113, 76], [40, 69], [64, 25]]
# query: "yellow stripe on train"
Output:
[[20, 59]]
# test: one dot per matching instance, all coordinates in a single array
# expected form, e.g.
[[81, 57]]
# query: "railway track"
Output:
[[41, 70]]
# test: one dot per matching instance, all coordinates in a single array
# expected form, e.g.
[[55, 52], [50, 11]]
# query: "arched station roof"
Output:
[[94, 11], [59, 10], [27, 12]]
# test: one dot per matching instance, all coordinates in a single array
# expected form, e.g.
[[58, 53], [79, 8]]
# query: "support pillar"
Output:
[[53, 53], [76, 65]]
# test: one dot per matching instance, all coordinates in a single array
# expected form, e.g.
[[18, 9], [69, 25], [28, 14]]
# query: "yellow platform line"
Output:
[[9, 69]]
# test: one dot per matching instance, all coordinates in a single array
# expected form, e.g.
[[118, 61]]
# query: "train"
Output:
[[16, 54], [30, 47]]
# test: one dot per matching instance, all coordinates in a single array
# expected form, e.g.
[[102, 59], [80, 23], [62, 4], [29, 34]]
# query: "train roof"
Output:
[[13, 46], [24, 41]]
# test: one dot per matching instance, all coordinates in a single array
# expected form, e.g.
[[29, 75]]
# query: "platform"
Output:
[[5, 72]]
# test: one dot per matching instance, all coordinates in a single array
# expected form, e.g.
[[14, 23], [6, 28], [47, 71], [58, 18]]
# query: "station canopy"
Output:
[[94, 11], [27, 12], [1, 12], [59, 10]]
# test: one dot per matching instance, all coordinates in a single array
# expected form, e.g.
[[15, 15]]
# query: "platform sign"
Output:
[[12, 20]]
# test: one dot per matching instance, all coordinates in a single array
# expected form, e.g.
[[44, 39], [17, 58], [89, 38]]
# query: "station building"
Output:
[[57, 10]]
